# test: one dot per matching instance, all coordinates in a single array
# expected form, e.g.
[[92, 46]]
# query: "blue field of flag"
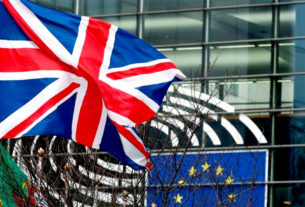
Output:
[[233, 178]]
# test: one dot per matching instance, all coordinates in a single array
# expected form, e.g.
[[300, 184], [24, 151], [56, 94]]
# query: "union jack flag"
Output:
[[80, 78]]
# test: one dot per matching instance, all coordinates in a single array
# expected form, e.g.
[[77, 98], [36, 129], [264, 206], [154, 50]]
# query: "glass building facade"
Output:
[[248, 53]]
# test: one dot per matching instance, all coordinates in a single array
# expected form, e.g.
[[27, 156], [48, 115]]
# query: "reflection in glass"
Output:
[[242, 93], [289, 164], [128, 23], [288, 0], [289, 195], [292, 20], [245, 59], [183, 27], [100, 7], [290, 128], [285, 90], [286, 57], [66, 5], [237, 2], [291, 56], [193, 66], [153, 5], [239, 24], [290, 92], [287, 21]]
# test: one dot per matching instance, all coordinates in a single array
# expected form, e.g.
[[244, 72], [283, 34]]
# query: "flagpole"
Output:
[[76, 7]]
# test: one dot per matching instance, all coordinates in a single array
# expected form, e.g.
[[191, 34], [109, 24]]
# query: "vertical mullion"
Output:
[[76, 6], [206, 53], [205, 59], [273, 98], [140, 19]]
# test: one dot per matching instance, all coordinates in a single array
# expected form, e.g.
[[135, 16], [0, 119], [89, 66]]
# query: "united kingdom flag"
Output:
[[78, 77]]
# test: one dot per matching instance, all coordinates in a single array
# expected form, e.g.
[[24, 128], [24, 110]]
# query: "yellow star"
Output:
[[192, 171], [229, 180], [232, 197], [178, 198], [219, 170], [206, 166], [181, 182]]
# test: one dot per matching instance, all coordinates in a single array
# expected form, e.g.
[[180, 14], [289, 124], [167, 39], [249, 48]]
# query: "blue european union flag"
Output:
[[234, 178]]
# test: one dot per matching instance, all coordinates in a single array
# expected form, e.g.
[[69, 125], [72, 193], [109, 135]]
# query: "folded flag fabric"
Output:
[[15, 188], [80, 78]]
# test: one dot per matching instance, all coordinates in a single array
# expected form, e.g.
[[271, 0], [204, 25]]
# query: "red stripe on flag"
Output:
[[126, 105], [132, 139], [26, 28], [28, 59], [141, 70], [93, 50], [90, 114], [148, 165], [42, 110]]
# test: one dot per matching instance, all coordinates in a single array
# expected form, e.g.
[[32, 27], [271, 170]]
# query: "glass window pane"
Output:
[[239, 24], [289, 195], [289, 164], [99, 7], [237, 2], [185, 27], [298, 92], [193, 66], [291, 56], [128, 23], [292, 20], [242, 93], [290, 92], [153, 5], [66, 5], [290, 128], [289, 0], [285, 92], [245, 59]]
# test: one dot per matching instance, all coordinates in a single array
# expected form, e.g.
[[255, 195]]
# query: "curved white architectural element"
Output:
[[232, 130], [184, 102], [180, 125], [253, 128], [110, 166], [51, 160], [72, 160], [173, 137], [204, 97], [211, 133], [102, 179]]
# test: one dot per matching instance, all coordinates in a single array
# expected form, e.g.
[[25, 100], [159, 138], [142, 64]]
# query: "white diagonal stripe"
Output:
[[43, 33], [100, 130], [137, 65], [132, 152], [80, 40], [121, 120], [49, 111], [33, 105], [133, 92], [150, 79], [9, 44], [108, 50]]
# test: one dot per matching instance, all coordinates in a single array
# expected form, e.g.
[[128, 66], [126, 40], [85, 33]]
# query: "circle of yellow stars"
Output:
[[205, 168]]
